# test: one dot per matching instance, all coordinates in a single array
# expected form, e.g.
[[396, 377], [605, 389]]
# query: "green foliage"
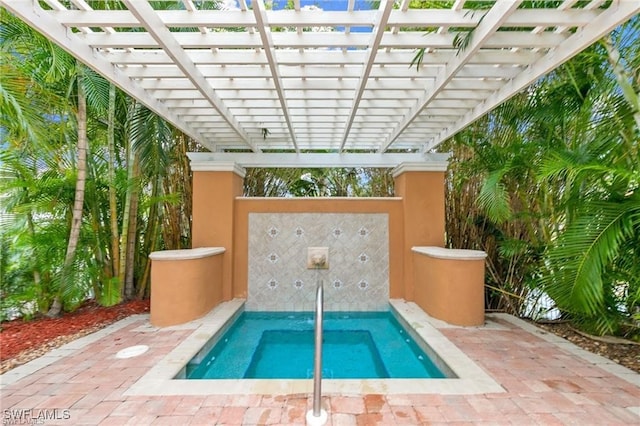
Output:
[[318, 182], [110, 292], [547, 185], [583, 251], [494, 199], [38, 97]]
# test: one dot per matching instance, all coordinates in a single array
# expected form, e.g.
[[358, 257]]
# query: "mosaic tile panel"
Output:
[[358, 274]]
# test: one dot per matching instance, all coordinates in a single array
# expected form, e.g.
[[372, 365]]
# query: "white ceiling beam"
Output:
[[41, 20], [319, 145], [222, 94], [316, 71], [294, 57], [378, 31], [176, 94], [470, 18], [499, 40], [218, 73], [298, 115], [474, 95], [431, 112], [182, 111], [150, 21], [297, 103], [166, 84], [267, 41], [198, 56], [207, 119], [304, 18], [191, 7], [618, 12], [425, 125], [473, 84], [453, 103], [202, 159], [257, 94], [491, 22], [239, 40]]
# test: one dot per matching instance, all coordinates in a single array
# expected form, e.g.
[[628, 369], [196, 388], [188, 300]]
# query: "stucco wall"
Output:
[[449, 284], [185, 284]]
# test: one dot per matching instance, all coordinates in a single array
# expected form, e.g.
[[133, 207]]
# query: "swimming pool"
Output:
[[280, 345], [168, 375]]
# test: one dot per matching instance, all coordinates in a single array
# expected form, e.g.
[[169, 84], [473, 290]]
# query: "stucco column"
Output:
[[215, 188], [421, 186]]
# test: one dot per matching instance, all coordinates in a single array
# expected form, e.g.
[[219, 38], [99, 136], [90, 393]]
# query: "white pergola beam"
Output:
[[589, 34], [259, 84], [491, 22], [150, 21], [294, 57], [235, 40], [306, 18], [267, 41], [378, 30], [220, 73], [251, 71], [316, 160]]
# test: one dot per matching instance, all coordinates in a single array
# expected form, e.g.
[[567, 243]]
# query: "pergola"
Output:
[[312, 87]]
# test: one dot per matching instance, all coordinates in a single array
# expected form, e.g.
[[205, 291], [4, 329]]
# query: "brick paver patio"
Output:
[[548, 381]]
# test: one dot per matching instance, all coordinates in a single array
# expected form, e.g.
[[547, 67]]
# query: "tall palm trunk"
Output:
[[130, 205], [132, 228], [37, 276], [76, 215], [152, 236], [113, 206]]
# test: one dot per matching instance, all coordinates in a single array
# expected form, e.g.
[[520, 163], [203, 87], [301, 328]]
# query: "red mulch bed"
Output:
[[18, 336]]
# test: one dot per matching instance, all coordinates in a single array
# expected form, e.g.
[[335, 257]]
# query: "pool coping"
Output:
[[159, 380]]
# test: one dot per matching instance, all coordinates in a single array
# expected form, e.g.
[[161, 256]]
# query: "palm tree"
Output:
[[44, 112]]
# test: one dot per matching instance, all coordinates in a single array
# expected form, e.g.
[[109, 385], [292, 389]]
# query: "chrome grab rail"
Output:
[[317, 361]]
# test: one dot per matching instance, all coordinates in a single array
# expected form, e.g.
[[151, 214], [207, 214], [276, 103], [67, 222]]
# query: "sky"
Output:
[[327, 4], [322, 4]]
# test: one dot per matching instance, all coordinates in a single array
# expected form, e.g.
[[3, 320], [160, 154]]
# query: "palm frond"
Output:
[[150, 136], [494, 199], [584, 250], [96, 89]]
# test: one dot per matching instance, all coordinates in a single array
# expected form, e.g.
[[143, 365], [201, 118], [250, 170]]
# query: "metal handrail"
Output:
[[317, 361]]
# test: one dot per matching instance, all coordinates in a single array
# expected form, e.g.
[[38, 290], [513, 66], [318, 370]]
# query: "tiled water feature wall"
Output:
[[358, 275]]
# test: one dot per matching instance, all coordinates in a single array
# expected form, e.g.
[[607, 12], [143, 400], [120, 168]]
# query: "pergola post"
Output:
[[421, 186], [215, 187]]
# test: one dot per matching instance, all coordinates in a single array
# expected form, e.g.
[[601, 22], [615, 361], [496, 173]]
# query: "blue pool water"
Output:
[[268, 345]]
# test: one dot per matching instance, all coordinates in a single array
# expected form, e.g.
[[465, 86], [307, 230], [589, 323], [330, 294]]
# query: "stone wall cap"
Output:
[[186, 254], [451, 254], [427, 166]]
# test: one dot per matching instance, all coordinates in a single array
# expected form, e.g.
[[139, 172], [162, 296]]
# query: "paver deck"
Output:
[[548, 381]]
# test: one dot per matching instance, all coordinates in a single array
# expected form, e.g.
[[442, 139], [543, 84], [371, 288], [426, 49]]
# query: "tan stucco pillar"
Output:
[[421, 186], [215, 188]]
